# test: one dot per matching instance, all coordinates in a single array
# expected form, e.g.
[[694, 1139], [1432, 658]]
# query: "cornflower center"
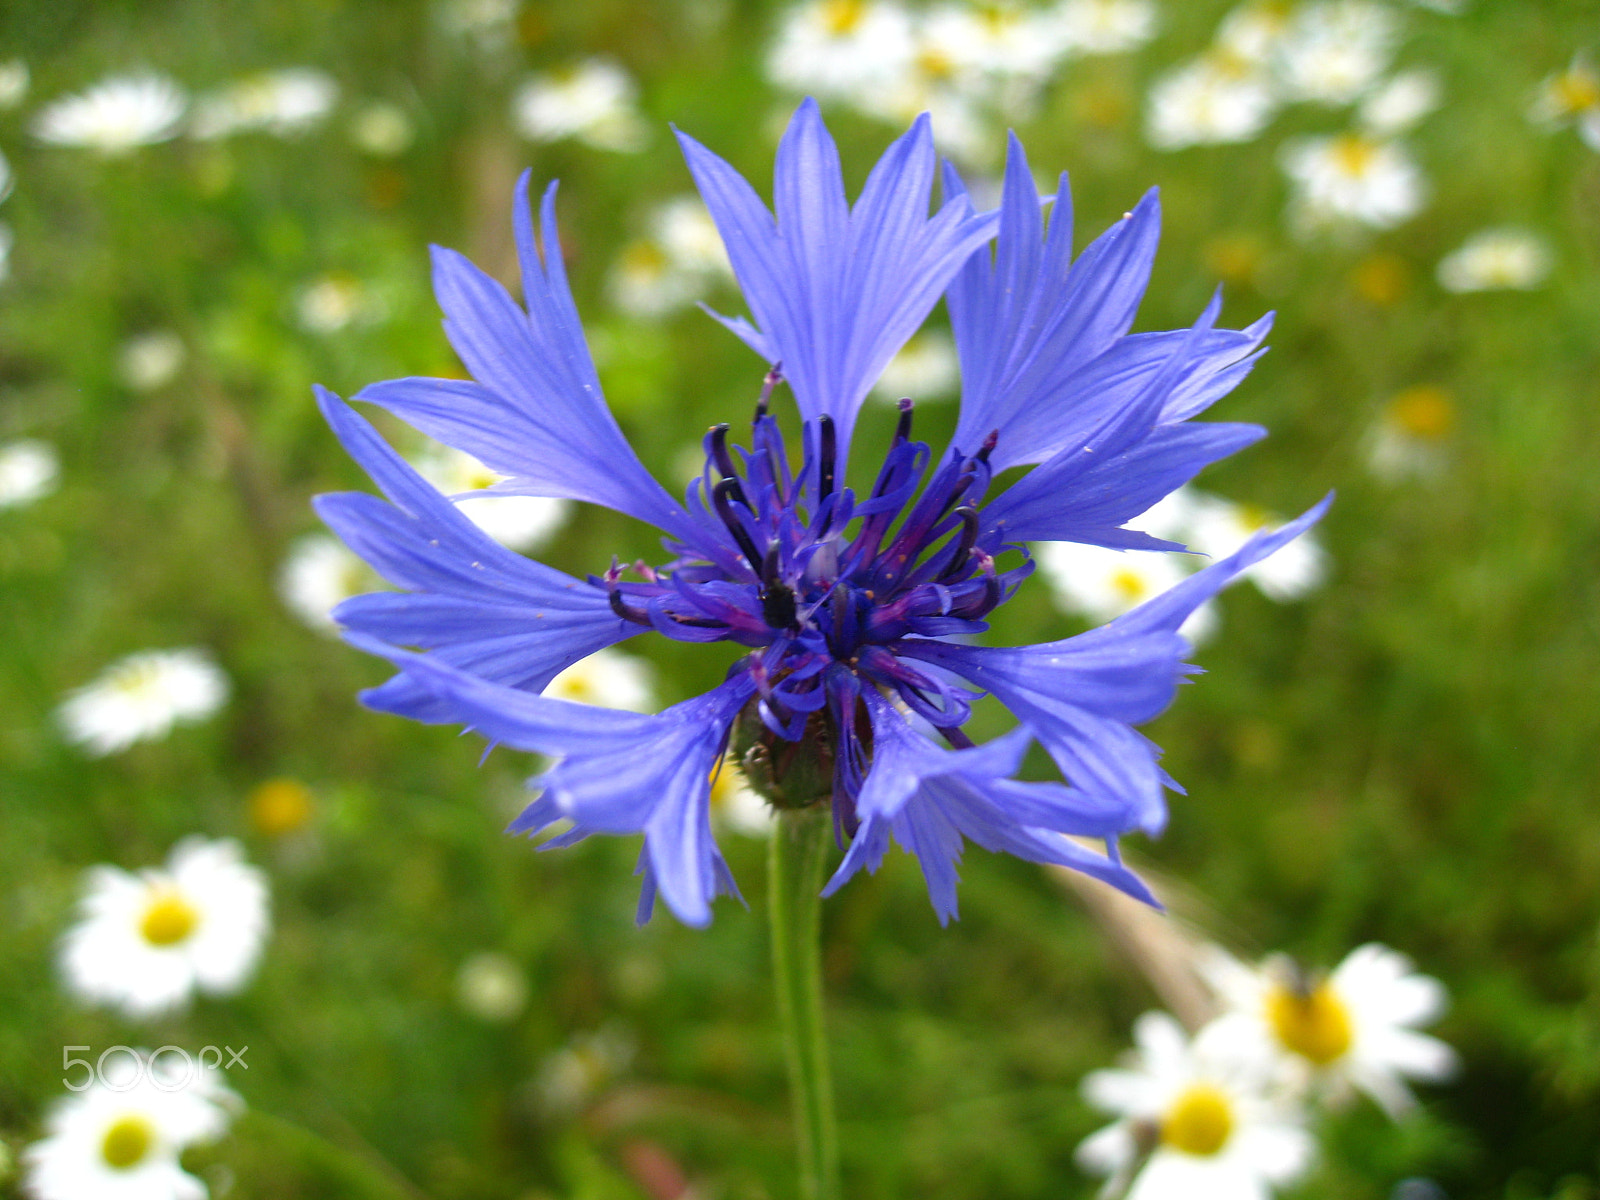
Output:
[[1312, 1022], [168, 919], [825, 586], [1199, 1122], [127, 1142]]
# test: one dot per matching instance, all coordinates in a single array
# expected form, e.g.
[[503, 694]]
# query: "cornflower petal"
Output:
[[536, 412], [835, 291], [1082, 695], [480, 606]]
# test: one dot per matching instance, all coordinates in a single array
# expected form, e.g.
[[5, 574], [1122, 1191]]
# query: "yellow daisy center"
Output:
[[1424, 411], [127, 1142], [168, 919], [280, 806], [840, 17], [1129, 585], [1353, 155], [1199, 1122], [577, 688], [1314, 1024], [1381, 278], [1576, 91]]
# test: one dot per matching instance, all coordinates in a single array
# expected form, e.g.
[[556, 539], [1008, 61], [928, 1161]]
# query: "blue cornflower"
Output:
[[857, 607]]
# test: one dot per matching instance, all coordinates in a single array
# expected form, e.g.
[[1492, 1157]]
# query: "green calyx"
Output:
[[788, 775]]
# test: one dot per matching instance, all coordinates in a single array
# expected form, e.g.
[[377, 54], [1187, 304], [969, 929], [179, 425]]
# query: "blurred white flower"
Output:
[[7, 179], [1354, 1028], [841, 49], [1400, 103], [592, 101], [1493, 259], [674, 265], [145, 943], [141, 697], [7, 238], [492, 987], [996, 40], [1335, 50], [334, 301], [1194, 1119], [736, 805], [608, 678], [1570, 96], [151, 360], [120, 1138], [13, 83], [29, 470], [1106, 26], [953, 100], [114, 115], [517, 522], [1218, 98], [1351, 178], [489, 23], [1102, 584], [1408, 440], [282, 103], [319, 574], [382, 130], [1219, 527], [1253, 31], [926, 368], [572, 1075]]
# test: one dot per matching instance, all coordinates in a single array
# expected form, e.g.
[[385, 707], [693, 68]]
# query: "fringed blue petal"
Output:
[[835, 291]]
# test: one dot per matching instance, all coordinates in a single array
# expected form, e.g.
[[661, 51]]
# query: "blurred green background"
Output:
[[1406, 755]]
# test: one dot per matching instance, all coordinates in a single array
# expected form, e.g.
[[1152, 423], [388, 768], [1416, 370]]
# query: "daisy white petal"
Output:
[[29, 470], [143, 696], [115, 115], [1502, 258]]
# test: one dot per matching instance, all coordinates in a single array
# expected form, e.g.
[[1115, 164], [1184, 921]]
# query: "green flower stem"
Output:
[[796, 868]]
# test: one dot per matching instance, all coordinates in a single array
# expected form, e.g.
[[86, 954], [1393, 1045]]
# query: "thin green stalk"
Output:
[[796, 867]]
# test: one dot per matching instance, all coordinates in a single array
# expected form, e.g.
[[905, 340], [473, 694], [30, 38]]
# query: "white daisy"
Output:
[[1102, 584], [1106, 26], [954, 101], [29, 469], [148, 361], [567, 1079], [489, 23], [1410, 437], [333, 302], [608, 678], [1400, 103], [119, 1139], [381, 130], [145, 943], [1216, 99], [115, 115], [926, 368], [994, 39], [492, 987], [736, 805], [841, 49], [1493, 259], [1352, 178], [592, 101], [1254, 31], [673, 266], [142, 697], [14, 79], [1354, 1028], [282, 103], [1567, 96], [1219, 527], [1334, 51], [318, 575], [518, 522], [1194, 1119]]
